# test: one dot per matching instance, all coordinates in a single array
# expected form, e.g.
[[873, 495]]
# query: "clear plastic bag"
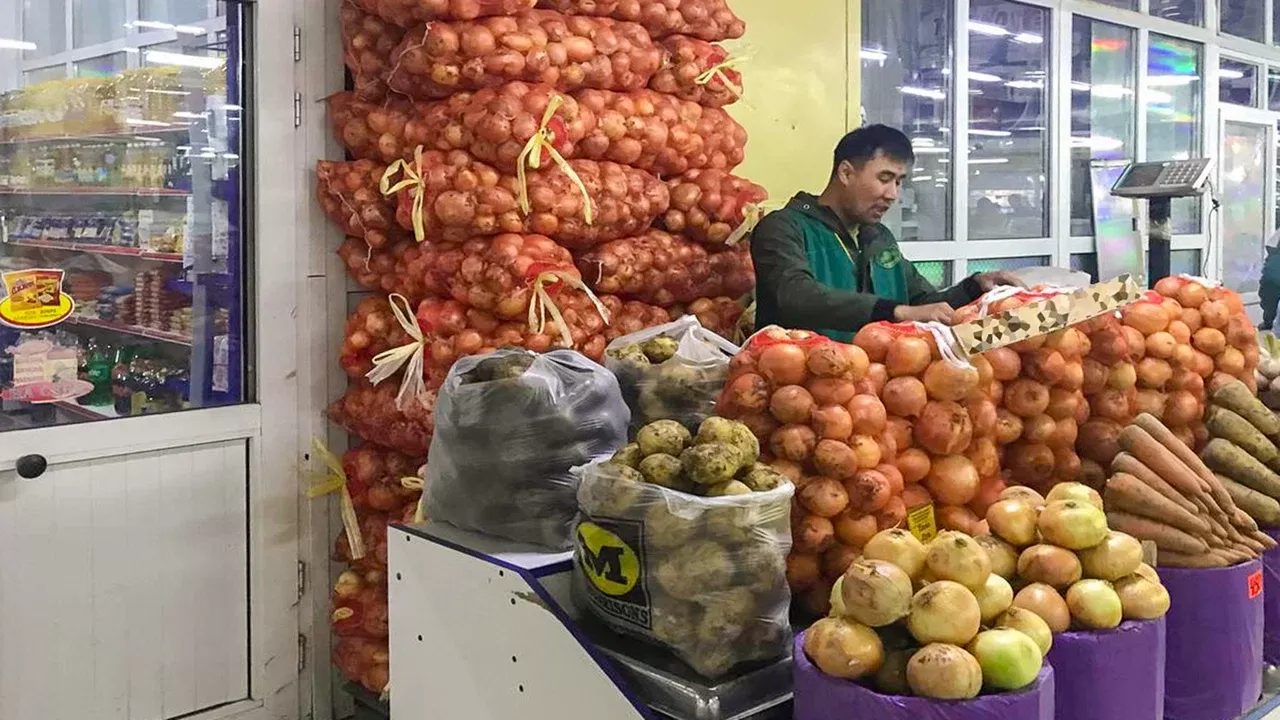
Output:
[[671, 372], [510, 426], [702, 576]]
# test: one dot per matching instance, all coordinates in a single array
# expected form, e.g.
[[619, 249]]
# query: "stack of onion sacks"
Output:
[[1222, 310], [1110, 391], [943, 418], [811, 403]]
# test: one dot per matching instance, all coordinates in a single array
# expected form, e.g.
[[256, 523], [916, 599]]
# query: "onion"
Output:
[[1099, 440], [1050, 565], [874, 339], [1145, 317], [1029, 463], [944, 428], [1114, 404], [1141, 599], [876, 377], [1006, 364], [1026, 398], [1074, 491], [791, 404], [983, 415], [854, 529], [843, 649], [824, 497], [1146, 571], [1002, 555], [892, 678], [835, 460], [868, 415], [832, 422], [793, 442], [1025, 494], [900, 430], [836, 560], [812, 534], [749, 392], [1115, 557], [944, 672], [867, 451], [1123, 376], [945, 612], [1030, 624], [1010, 660], [876, 593], [899, 547], [952, 479], [993, 598], [831, 391], [985, 457], [1009, 427], [1046, 365], [1065, 433], [1094, 605], [783, 364], [1072, 524], [908, 355], [955, 556], [1063, 403], [1095, 376], [1038, 429], [945, 380], [803, 570], [1047, 603], [869, 491], [1153, 373], [1013, 521], [828, 360], [905, 396], [914, 464], [1161, 345], [956, 517]]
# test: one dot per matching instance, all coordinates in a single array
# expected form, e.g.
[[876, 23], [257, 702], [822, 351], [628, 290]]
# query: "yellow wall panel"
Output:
[[798, 89]]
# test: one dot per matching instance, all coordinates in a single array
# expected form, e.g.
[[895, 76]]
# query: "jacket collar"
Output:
[[808, 205]]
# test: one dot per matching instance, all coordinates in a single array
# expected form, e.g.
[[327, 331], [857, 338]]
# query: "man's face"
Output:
[[867, 192]]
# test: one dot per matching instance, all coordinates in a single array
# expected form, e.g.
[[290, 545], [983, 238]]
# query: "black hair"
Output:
[[862, 144]]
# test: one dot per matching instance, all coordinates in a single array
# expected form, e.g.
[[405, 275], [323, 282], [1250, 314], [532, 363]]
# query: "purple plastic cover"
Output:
[[1213, 658], [819, 697], [1110, 675], [1271, 602]]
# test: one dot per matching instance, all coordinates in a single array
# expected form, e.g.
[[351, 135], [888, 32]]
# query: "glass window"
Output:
[[1243, 18], [1273, 86], [1184, 11], [1185, 262], [1237, 83], [1243, 195], [1104, 107], [44, 23], [1010, 263], [937, 272], [122, 264], [96, 21], [1007, 132], [1086, 263], [1174, 114], [175, 12], [906, 66], [1124, 4], [1275, 23]]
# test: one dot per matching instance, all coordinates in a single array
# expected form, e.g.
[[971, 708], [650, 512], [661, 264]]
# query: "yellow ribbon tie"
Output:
[[416, 483], [388, 362], [531, 157], [752, 214], [717, 71], [541, 304], [335, 480], [412, 179]]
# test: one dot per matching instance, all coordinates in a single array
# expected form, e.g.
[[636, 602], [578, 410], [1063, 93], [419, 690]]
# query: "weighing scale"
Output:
[[1158, 183]]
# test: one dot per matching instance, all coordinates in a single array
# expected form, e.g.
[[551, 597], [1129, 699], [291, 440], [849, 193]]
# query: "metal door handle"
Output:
[[31, 467]]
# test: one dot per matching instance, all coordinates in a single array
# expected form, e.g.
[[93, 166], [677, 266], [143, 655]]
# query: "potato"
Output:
[[763, 478], [733, 487], [662, 469], [674, 622], [617, 497], [697, 568], [629, 455], [664, 436], [631, 354], [660, 349], [665, 530], [711, 464], [730, 432]]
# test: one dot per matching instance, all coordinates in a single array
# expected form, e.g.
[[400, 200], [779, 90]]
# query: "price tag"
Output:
[[921, 522], [1255, 585]]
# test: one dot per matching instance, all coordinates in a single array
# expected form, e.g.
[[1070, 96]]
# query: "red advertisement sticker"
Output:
[[1255, 585]]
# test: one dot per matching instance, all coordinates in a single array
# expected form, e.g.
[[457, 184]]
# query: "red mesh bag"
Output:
[[367, 44], [454, 197], [720, 315], [698, 71], [371, 329], [373, 533], [654, 267], [373, 269], [711, 205], [363, 660], [350, 195], [370, 412], [414, 12], [705, 19], [374, 477], [733, 273], [569, 53], [497, 124], [390, 129]]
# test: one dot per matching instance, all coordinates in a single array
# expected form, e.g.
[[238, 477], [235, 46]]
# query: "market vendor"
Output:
[[826, 263]]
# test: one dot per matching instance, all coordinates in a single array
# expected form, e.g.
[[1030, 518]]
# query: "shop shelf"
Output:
[[135, 330], [98, 191], [99, 249], [89, 412]]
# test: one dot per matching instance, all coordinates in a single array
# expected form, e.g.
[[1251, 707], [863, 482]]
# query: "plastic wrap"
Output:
[[821, 697], [697, 71], [704, 19], [350, 195], [1271, 602], [367, 44], [568, 53], [701, 576], [671, 372], [711, 205], [1112, 674], [510, 426], [412, 12], [370, 413], [1213, 661]]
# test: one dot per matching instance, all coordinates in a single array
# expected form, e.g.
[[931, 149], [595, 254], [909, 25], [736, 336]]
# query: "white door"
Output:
[[148, 422], [1246, 197]]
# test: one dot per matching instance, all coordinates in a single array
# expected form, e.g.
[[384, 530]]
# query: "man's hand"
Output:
[[936, 312], [990, 280]]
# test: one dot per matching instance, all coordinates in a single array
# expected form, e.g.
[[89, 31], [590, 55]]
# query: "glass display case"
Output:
[[120, 212]]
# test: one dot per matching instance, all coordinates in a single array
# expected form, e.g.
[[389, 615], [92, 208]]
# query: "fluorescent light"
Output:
[[987, 29], [1158, 97], [989, 133], [1111, 91], [182, 93], [922, 92], [1077, 86], [918, 141], [149, 25], [1097, 142], [146, 123], [988, 161], [921, 178], [984, 77], [195, 61], [1170, 80], [190, 30], [8, 44], [1230, 74], [928, 150], [1025, 84], [876, 55], [1029, 38], [188, 115]]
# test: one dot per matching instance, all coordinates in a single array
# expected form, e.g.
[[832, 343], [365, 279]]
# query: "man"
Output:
[[826, 263], [1269, 283]]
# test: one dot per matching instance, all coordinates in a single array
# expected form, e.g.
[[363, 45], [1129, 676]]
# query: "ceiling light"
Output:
[[1230, 74], [1025, 84], [1029, 38], [8, 44], [195, 61], [1170, 80], [987, 29], [922, 92], [984, 77], [988, 161], [875, 55], [989, 133]]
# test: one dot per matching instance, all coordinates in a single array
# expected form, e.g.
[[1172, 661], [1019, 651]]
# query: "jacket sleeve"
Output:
[[922, 292], [784, 280]]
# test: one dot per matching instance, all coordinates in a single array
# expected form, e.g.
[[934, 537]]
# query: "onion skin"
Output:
[[1050, 565], [1047, 603], [876, 593], [1094, 605], [955, 556], [1118, 556], [944, 672], [946, 612], [1141, 599], [897, 546], [843, 649]]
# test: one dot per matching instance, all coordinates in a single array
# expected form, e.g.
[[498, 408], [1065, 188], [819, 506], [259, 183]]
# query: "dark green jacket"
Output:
[[787, 244]]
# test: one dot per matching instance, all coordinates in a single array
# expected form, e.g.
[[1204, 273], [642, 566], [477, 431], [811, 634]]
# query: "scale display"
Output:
[[1172, 178]]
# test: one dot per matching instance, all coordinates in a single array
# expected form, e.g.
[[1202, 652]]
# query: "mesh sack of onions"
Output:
[[373, 269], [733, 272], [371, 413], [1110, 391], [552, 411], [375, 478], [541, 46], [1218, 309], [359, 621], [655, 267], [577, 203], [721, 315], [370, 330], [393, 128], [414, 12], [350, 195], [364, 661], [712, 568], [697, 71], [713, 207], [373, 538], [811, 401], [367, 44], [705, 19], [942, 424]]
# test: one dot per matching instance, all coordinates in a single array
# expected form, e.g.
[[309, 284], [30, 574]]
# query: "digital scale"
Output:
[[1158, 183]]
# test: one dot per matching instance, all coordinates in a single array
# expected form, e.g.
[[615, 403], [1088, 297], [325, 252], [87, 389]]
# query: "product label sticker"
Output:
[[34, 299], [1255, 584], [922, 522], [606, 550], [44, 372]]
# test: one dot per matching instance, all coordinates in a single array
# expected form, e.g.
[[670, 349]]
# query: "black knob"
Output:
[[31, 467]]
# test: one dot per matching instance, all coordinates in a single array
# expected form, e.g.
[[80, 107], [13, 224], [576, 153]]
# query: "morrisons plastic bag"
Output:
[[671, 372], [702, 576], [510, 426]]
